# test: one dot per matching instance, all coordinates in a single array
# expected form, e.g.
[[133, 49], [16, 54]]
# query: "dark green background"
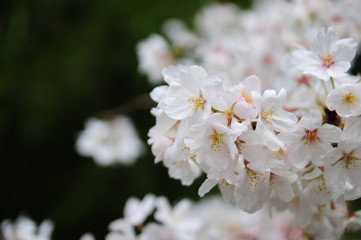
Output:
[[61, 62]]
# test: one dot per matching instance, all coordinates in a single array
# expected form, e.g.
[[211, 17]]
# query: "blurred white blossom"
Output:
[[23, 228], [110, 141]]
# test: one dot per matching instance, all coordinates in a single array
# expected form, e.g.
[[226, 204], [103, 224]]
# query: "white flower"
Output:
[[178, 159], [25, 229], [188, 93], [110, 141], [311, 140], [87, 236], [212, 142], [343, 163], [159, 232], [345, 100], [154, 55], [135, 211], [272, 117], [121, 230], [330, 56], [179, 218]]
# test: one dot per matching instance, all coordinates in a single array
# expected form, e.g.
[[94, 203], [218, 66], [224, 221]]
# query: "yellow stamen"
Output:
[[266, 116], [349, 99], [311, 138], [247, 97], [196, 102], [216, 139], [327, 60]]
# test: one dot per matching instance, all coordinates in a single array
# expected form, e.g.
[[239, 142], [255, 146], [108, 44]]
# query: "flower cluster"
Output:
[[236, 43], [209, 219], [197, 221], [110, 141], [293, 147]]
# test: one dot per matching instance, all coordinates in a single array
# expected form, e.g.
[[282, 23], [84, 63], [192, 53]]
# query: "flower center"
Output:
[[216, 139], [349, 161], [311, 137], [255, 177], [247, 97], [266, 116], [196, 102], [327, 60], [349, 99]]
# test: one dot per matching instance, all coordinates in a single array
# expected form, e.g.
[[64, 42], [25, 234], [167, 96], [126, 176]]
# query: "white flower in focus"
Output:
[[110, 141], [213, 142], [180, 162], [25, 229], [154, 55], [346, 100], [329, 56], [311, 140], [272, 117], [189, 96], [342, 164]]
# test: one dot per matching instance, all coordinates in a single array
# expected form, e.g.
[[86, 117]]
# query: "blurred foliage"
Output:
[[62, 61]]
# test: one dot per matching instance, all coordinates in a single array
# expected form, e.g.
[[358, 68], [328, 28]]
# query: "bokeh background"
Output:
[[62, 61]]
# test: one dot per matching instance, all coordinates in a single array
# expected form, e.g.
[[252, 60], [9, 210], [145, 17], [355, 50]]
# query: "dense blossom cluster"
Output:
[[154, 218], [236, 43], [269, 111]]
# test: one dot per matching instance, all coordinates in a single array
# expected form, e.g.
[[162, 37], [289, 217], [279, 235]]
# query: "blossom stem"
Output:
[[333, 83]]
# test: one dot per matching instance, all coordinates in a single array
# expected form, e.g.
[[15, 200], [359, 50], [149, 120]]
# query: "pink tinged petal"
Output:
[[283, 188], [248, 201], [333, 99], [311, 121], [317, 153], [317, 192], [256, 155], [349, 146], [338, 69], [352, 128], [227, 191], [178, 108], [330, 133], [304, 58], [284, 121], [252, 83], [336, 177], [269, 138], [318, 71], [354, 172], [198, 72], [257, 99], [324, 40], [300, 155], [159, 146], [245, 110], [206, 186], [332, 156], [344, 50]]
